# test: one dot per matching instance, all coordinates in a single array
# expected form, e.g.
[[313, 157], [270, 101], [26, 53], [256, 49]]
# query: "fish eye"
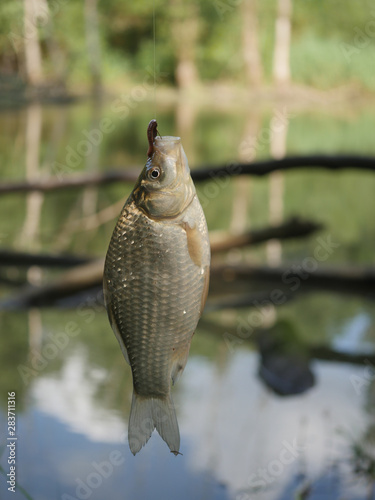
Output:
[[154, 173]]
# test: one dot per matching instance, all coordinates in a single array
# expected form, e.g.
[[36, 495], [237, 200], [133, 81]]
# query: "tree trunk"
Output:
[[242, 188], [281, 64], [29, 234], [251, 52], [276, 186], [33, 56], [90, 193], [185, 116], [185, 29], [93, 45]]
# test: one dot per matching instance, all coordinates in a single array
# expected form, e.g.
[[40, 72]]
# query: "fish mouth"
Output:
[[168, 138]]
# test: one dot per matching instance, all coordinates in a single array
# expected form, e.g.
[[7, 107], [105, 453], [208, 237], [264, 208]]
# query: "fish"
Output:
[[156, 280]]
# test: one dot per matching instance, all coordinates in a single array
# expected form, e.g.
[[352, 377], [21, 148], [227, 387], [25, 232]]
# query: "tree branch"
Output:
[[292, 228], [24, 259], [70, 181], [258, 168]]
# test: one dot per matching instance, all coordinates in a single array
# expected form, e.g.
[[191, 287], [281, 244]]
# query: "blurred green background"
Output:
[[79, 44], [237, 81]]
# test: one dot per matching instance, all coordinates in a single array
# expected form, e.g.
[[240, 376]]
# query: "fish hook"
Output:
[[152, 132]]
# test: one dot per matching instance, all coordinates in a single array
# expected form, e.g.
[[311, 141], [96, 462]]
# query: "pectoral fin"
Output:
[[196, 246], [194, 243]]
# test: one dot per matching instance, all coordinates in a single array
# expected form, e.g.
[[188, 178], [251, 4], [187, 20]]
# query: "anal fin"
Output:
[[179, 364]]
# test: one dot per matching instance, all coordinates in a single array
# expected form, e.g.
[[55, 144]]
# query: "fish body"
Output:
[[155, 286]]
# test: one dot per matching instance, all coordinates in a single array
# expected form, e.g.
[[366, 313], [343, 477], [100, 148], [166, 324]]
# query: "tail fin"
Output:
[[146, 414]]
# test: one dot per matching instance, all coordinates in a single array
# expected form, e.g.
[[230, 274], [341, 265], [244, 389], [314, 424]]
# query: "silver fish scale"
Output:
[[155, 293]]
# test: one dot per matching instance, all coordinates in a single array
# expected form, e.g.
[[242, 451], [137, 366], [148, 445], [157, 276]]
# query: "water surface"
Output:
[[239, 439]]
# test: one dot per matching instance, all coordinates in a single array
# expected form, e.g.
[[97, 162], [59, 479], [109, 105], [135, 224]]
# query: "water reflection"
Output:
[[262, 443], [71, 398], [240, 440], [353, 335]]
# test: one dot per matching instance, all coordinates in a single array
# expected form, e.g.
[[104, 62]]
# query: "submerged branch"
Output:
[[326, 354], [315, 351], [66, 180], [296, 278], [285, 283]]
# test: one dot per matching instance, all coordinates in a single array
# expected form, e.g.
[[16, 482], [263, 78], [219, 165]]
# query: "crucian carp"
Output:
[[156, 280]]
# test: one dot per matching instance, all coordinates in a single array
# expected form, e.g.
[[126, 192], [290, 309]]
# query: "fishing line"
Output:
[[154, 36]]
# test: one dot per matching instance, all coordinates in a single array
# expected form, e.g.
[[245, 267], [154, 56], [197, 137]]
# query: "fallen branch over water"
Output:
[[64, 180], [24, 259], [283, 283], [265, 167], [61, 182], [292, 228], [79, 279]]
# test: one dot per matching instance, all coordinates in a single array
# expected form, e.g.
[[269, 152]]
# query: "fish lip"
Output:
[[168, 138]]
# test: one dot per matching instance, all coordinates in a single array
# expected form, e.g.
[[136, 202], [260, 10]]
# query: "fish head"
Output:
[[165, 187]]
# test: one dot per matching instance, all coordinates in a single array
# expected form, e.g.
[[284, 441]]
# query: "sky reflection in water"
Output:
[[238, 439]]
